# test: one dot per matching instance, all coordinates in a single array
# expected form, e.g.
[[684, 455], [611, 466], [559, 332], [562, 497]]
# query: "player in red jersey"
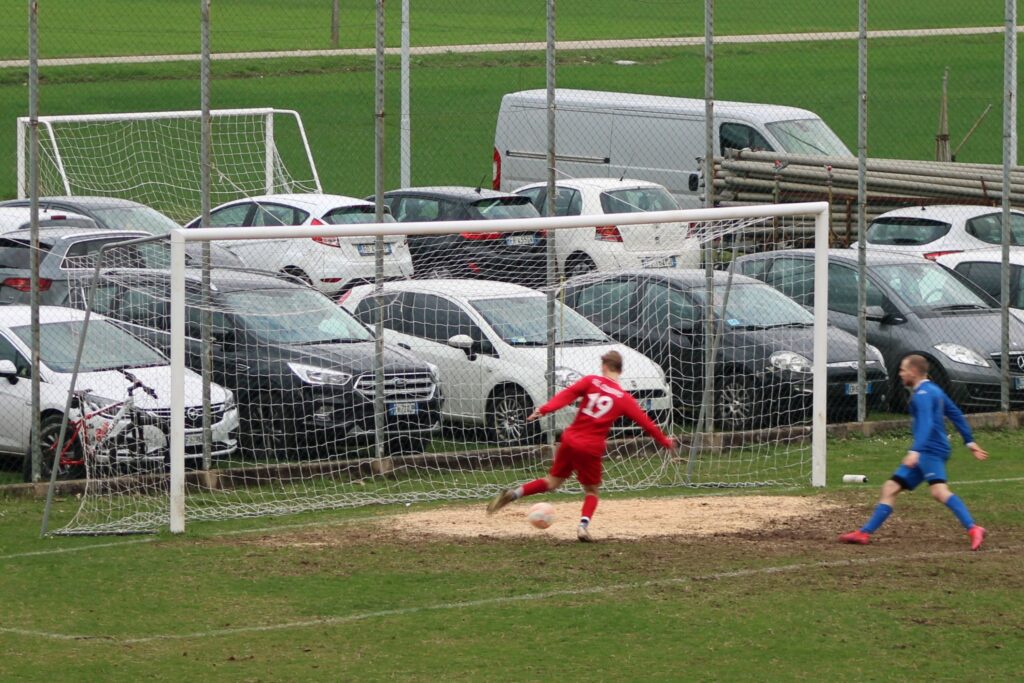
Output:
[[583, 442]]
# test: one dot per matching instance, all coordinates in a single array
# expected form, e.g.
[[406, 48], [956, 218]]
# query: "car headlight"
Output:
[[790, 360], [962, 354], [435, 372], [313, 374], [873, 351], [566, 376]]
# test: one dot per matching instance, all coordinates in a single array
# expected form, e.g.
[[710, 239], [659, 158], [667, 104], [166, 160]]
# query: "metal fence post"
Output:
[[862, 165]]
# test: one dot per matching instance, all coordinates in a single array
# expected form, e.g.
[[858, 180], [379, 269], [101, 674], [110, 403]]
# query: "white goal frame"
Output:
[[46, 124], [820, 211]]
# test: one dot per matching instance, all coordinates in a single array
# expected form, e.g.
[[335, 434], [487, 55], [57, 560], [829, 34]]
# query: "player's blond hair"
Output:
[[918, 363], [613, 361]]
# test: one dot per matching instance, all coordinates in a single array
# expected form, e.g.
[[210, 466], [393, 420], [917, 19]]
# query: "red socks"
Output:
[[535, 486], [589, 505]]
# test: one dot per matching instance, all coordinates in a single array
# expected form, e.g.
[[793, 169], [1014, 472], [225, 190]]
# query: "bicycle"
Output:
[[98, 439]]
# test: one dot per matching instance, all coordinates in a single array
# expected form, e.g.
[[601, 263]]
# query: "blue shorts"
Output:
[[930, 468]]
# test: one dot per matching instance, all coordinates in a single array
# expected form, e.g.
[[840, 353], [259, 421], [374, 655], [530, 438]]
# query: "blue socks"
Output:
[[878, 517], [960, 510]]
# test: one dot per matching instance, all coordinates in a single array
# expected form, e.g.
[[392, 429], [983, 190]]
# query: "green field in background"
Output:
[[455, 98], [326, 597], [129, 27]]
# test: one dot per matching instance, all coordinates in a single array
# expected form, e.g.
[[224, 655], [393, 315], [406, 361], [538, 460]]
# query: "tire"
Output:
[[49, 432], [268, 427], [298, 273], [738, 403], [579, 264], [506, 417]]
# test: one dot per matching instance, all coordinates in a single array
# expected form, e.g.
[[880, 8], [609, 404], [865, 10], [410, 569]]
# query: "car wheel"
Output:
[[268, 427], [49, 432], [738, 403], [298, 273], [579, 264], [506, 417]]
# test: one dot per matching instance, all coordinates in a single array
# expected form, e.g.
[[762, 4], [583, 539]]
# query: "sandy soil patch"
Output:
[[620, 518]]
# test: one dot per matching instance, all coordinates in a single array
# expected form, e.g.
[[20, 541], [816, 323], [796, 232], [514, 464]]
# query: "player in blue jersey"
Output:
[[926, 459]]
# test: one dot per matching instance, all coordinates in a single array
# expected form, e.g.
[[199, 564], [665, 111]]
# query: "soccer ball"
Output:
[[541, 515]]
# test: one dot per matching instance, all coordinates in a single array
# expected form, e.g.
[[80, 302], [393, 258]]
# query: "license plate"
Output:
[[403, 409], [369, 249], [851, 388], [1018, 383], [195, 439], [658, 262], [521, 240]]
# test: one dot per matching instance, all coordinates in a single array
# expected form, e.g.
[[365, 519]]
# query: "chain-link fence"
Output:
[[892, 116]]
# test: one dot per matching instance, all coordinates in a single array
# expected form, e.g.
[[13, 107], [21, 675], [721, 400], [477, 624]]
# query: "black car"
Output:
[[517, 257], [914, 306], [764, 346], [302, 368], [113, 213]]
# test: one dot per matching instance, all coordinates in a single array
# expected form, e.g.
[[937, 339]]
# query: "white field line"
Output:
[[682, 41], [360, 520], [506, 600]]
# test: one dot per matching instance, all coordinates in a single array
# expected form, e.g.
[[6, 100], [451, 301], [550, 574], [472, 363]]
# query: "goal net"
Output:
[[413, 388], [153, 158]]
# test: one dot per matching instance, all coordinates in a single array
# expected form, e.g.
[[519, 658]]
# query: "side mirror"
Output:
[[693, 183], [463, 342], [8, 370], [875, 313]]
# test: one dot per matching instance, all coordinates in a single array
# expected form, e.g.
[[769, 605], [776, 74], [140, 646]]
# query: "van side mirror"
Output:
[[8, 370], [877, 314], [693, 183]]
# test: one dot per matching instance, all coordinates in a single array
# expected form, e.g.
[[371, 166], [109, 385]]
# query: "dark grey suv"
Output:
[[914, 306]]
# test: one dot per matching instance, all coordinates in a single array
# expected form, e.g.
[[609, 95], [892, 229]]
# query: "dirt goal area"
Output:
[[621, 518]]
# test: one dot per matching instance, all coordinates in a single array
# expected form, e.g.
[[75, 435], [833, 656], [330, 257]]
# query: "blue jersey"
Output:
[[929, 404]]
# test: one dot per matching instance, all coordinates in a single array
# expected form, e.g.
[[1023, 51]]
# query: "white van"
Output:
[[661, 139]]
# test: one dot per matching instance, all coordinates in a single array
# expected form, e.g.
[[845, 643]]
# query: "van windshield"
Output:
[[808, 136]]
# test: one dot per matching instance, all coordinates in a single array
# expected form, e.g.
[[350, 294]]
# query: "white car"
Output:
[[488, 340], [331, 264], [111, 360], [611, 247], [984, 268], [933, 231]]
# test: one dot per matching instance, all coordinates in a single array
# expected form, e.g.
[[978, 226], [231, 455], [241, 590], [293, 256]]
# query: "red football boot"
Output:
[[858, 537], [977, 535]]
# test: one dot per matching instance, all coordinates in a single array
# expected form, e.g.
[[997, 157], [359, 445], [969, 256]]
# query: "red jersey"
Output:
[[603, 402]]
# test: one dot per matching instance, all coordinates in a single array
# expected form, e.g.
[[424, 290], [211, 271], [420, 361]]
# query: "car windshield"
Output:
[[135, 218], [636, 199], [293, 316], [808, 136], [107, 347], [930, 286], [520, 321], [348, 215], [757, 306], [17, 253], [905, 231], [496, 208]]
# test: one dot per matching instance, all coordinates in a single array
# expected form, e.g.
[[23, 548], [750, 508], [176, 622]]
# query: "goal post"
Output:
[[819, 212], [153, 157]]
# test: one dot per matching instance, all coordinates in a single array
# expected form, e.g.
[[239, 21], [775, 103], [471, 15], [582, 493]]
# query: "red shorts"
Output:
[[585, 464]]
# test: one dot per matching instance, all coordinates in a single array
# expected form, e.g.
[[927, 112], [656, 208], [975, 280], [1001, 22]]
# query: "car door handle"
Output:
[[405, 346]]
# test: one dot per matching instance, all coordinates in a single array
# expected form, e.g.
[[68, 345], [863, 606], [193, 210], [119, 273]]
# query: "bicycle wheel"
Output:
[[70, 466]]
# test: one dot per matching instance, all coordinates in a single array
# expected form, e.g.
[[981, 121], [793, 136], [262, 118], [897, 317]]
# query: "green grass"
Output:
[[455, 98], [125, 27], [912, 606]]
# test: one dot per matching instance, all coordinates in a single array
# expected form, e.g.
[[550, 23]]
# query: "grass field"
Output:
[[333, 596], [453, 134], [127, 27]]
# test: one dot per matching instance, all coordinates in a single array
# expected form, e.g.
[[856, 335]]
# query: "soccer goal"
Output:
[[153, 157], [414, 388]]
